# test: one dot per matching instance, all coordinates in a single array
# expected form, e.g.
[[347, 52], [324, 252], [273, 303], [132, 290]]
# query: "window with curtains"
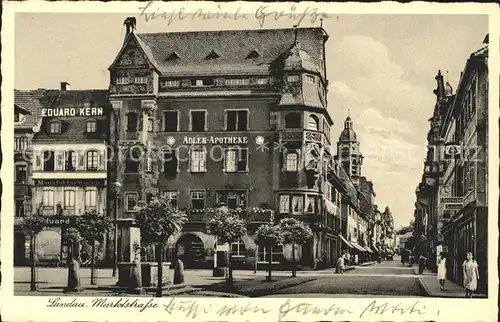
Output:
[[297, 204], [90, 199], [233, 199], [69, 199], [91, 126], [48, 198], [55, 127], [284, 204], [291, 162], [197, 160], [236, 160], [92, 160], [310, 204]]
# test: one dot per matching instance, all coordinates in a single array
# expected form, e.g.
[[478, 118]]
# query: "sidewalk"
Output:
[[429, 283]]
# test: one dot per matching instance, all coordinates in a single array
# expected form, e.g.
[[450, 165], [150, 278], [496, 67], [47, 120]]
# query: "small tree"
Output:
[[269, 236], [295, 232], [228, 227], [32, 225], [158, 220], [93, 227]]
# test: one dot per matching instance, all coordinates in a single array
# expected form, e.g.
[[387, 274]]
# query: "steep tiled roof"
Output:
[[73, 128], [233, 48], [30, 101]]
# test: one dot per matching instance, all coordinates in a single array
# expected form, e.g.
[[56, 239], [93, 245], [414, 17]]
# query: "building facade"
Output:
[[69, 169], [451, 212], [227, 116]]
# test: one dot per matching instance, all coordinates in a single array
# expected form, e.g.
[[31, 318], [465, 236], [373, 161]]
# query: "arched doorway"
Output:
[[190, 250]]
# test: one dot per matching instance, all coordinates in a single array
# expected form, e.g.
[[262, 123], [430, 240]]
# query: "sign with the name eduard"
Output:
[[73, 111], [60, 221], [70, 182]]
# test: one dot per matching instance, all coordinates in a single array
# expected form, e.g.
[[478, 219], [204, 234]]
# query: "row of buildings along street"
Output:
[[451, 210], [251, 132]]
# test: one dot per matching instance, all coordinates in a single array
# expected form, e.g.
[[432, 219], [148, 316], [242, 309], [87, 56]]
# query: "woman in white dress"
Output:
[[441, 271], [471, 275]]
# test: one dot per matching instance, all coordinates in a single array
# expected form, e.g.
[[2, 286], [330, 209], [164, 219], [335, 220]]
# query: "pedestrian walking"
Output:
[[471, 275], [411, 260], [348, 259], [441, 270], [340, 264], [356, 259], [421, 264]]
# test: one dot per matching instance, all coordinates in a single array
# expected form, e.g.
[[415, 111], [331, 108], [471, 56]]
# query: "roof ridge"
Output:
[[225, 31]]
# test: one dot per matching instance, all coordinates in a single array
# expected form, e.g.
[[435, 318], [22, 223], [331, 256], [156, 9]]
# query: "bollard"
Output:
[[73, 285], [135, 286], [179, 272]]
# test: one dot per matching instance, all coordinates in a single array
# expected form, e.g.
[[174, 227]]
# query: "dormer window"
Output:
[[292, 78], [19, 118], [122, 80], [310, 79], [91, 126], [212, 55], [254, 53], [171, 83], [55, 127], [173, 56], [141, 80]]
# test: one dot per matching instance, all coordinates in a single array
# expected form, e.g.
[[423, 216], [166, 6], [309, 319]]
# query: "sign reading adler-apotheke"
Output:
[[70, 182], [215, 140]]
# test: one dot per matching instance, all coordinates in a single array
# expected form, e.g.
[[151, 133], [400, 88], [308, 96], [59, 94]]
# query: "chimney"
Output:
[[130, 24], [65, 86]]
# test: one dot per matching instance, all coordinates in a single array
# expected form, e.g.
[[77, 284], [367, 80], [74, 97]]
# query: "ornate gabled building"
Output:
[[223, 116]]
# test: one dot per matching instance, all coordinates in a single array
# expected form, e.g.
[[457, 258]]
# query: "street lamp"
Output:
[[117, 186]]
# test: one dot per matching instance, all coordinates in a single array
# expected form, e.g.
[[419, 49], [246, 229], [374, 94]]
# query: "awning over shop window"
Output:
[[345, 241], [358, 247], [330, 206]]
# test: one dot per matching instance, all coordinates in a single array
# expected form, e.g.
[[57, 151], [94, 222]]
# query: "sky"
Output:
[[380, 68]]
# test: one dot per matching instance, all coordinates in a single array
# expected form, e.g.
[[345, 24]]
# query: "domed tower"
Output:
[[348, 150]]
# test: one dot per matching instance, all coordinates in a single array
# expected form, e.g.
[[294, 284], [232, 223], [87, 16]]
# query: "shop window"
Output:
[[236, 120], [171, 121], [170, 164], [236, 160], [171, 196], [21, 173], [198, 199], [292, 121], [284, 204], [197, 160], [313, 123], [275, 254], [238, 249], [48, 161], [198, 121]]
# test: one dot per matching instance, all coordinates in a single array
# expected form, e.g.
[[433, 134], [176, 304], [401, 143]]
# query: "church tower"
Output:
[[348, 151]]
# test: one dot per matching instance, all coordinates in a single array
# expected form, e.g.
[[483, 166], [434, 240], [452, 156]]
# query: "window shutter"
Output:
[[59, 155], [471, 177], [37, 165], [81, 162], [101, 158]]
